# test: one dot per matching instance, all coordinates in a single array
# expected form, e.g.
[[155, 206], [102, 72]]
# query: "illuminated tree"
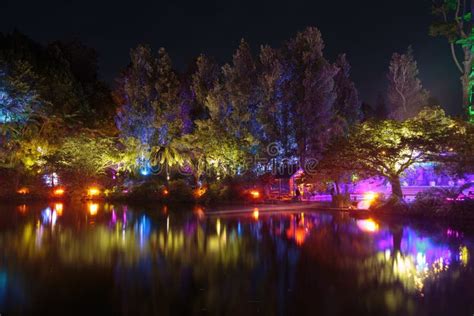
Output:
[[25, 127], [214, 152], [274, 116], [238, 94], [150, 106], [168, 112], [310, 92], [137, 97], [388, 148], [203, 81], [86, 155], [406, 96], [455, 23]]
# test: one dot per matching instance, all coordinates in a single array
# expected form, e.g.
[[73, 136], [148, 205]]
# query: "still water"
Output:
[[112, 259]]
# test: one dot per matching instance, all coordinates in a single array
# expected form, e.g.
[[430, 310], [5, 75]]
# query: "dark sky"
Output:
[[369, 31]]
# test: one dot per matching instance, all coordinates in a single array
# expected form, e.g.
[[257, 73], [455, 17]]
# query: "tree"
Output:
[[388, 148], [459, 161], [273, 115], [168, 119], [406, 95], [347, 105], [203, 81], [25, 126], [213, 151], [84, 158], [137, 97], [66, 78], [310, 92], [336, 168], [238, 100], [455, 24]]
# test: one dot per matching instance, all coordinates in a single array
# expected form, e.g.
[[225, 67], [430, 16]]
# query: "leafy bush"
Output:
[[429, 201], [442, 202], [179, 191], [146, 191]]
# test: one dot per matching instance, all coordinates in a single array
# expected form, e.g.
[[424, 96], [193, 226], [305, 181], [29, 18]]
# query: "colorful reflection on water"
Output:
[[114, 259]]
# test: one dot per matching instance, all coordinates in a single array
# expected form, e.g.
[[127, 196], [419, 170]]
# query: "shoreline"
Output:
[[232, 208]]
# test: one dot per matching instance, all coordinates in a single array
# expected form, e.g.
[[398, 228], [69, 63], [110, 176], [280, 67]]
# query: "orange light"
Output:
[[255, 214], [58, 207], [368, 225], [93, 208], [255, 194], [23, 191], [22, 208], [59, 192], [300, 236], [198, 192], [166, 192], [199, 211], [93, 191]]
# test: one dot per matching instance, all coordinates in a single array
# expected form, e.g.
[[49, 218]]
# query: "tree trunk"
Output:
[[467, 69], [396, 187], [336, 184]]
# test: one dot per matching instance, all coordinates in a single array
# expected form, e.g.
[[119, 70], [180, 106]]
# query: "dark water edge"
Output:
[[98, 258]]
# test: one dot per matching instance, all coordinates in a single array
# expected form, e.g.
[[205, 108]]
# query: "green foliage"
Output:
[[86, 155], [213, 151], [388, 148]]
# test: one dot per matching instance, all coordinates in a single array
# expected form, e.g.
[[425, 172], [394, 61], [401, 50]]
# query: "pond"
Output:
[[122, 260]]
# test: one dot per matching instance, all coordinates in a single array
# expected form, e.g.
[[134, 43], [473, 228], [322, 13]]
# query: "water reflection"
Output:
[[159, 261]]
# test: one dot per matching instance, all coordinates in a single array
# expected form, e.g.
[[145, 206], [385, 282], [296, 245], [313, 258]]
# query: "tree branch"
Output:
[[455, 58]]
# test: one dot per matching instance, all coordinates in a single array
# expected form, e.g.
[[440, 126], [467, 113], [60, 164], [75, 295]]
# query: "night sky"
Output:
[[367, 31]]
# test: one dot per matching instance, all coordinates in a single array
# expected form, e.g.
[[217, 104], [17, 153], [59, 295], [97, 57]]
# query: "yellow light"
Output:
[[58, 192], [58, 207], [255, 214], [255, 194], [93, 208], [464, 255], [93, 191], [218, 227], [23, 191], [368, 225], [370, 196]]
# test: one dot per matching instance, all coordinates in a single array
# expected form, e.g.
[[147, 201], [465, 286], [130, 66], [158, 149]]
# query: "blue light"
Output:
[[144, 171]]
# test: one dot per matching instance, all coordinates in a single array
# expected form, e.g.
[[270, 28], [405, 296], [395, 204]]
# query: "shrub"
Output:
[[179, 191], [146, 191]]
